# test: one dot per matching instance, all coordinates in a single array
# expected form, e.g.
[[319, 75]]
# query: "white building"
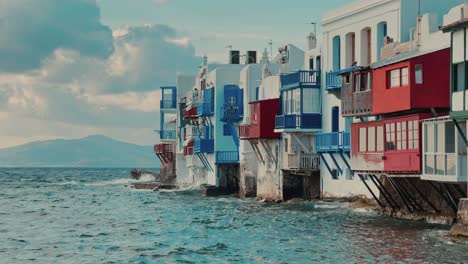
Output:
[[353, 35]]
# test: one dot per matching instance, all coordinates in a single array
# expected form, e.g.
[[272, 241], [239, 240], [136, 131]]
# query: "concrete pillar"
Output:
[[461, 227]]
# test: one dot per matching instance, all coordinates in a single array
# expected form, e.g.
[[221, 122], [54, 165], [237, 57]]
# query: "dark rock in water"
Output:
[[155, 186], [461, 227], [136, 174], [213, 191]]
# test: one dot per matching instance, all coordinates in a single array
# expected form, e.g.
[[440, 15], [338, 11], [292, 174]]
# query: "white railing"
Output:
[[441, 164], [303, 161]]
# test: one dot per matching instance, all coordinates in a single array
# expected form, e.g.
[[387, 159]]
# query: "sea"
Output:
[[63, 215]]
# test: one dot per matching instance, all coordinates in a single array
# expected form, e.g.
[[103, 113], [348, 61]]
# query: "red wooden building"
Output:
[[356, 92], [391, 145], [411, 81], [262, 120]]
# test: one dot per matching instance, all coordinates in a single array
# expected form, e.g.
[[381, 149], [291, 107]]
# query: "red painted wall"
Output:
[[266, 112], [433, 93], [394, 161]]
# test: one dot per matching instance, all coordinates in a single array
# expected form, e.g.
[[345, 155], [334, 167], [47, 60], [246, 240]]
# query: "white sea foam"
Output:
[[66, 183], [123, 181]]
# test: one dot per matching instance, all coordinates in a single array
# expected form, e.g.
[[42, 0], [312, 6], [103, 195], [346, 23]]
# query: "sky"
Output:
[[72, 68]]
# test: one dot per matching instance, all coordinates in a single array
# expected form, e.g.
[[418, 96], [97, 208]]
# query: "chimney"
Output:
[[311, 41], [234, 57], [251, 57]]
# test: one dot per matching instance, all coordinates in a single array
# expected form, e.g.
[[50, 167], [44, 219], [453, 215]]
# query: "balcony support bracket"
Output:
[[326, 163], [299, 142], [336, 163], [460, 131]]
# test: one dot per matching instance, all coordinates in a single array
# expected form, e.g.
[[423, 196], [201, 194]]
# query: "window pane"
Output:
[[451, 164], [404, 76], [429, 138], [362, 139], [460, 77], [449, 137], [429, 169], [371, 139], [395, 78], [419, 73], [440, 165], [380, 137], [440, 135]]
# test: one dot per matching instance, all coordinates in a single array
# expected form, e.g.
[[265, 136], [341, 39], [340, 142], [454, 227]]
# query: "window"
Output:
[[459, 78], [286, 145], [364, 81], [362, 139], [335, 175], [232, 101], [413, 134], [357, 82], [380, 138], [418, 73], [395, 78], [390, 136], [398, 77], [404, 76], [371, 139], [347, 78]]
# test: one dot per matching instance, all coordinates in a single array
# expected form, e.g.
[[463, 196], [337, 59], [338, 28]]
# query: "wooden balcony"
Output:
[[301, 161], [333, 142], [203, 146], [227, 157], [163, 148], [190, 112], [356, 94]]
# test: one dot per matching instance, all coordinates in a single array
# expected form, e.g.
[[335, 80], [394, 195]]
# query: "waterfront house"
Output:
[[353, 38], [165, 150]]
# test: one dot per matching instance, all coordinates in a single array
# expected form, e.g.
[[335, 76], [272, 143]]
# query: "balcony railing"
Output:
[[231, 113], [205, 109], [227, 157], [333, 80], [168, 134], [333, 142], [163, 148], [204, 146], [168, 104], [298, 121], [303, 161], [309, 79]]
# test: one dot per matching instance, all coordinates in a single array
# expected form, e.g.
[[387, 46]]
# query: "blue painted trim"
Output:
[[336, 163], [326, 164]]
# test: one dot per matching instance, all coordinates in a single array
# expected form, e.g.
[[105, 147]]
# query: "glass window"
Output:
[[363, 80], [390, 136], [297, 101], [429, 168], [362, 139], [459, 71], [311, 99], [429, 138], [404, 76], [380, 138], [439, 137], [413, 134], [449, 137], [418, 74], [394, 78], [371, 139], [286, 145]]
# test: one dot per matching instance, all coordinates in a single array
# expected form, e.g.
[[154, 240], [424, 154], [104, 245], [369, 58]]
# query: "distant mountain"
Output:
[[91, 151]]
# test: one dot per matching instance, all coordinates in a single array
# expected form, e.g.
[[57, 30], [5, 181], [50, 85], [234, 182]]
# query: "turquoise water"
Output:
[[89, 216]]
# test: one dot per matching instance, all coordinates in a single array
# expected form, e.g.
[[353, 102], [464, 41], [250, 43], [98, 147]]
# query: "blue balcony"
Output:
[[333, 80], [167, 104], [205, 109], [167, 135], [227, 157], [305, 79], [298, 121], [231, 113], [333, 142], [203, 146]]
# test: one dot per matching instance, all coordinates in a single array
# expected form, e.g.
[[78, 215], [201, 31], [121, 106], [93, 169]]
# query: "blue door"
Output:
[[335, 119]]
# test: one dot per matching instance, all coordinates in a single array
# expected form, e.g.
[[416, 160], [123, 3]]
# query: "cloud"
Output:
[[81, 75], [35, 29]]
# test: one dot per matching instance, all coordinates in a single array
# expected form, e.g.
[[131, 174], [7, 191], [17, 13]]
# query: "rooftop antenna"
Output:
[[315, 28], [271, 48]]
